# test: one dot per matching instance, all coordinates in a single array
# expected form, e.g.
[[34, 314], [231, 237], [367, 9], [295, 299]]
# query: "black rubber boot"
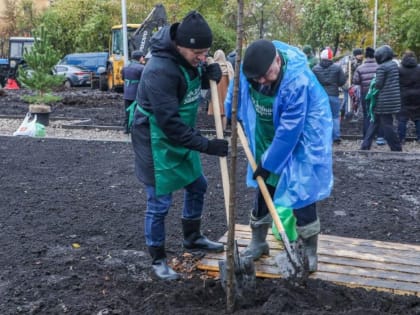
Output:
[[194, 240], [309, 234], [159, 265], [258, 245]]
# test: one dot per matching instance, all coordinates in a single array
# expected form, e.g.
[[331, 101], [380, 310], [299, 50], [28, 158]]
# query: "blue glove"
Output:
[[262, 172], [213, 72]]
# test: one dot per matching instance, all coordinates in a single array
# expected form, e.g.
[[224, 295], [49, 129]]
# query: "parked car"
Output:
[[93, 61], [74, 75]]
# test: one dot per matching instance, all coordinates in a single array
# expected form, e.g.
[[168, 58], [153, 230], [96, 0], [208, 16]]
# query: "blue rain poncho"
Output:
[[301, 150]]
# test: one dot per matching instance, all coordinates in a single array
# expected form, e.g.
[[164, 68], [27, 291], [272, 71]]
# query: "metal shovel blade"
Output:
[[293, 265], [244, 277]]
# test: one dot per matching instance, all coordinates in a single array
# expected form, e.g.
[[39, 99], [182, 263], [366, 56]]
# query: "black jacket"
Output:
[[130, 74], [330, 75], [161, 90], [410, 87], [388, 99]]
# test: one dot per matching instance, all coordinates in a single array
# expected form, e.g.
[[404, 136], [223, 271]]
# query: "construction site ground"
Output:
[[71, 222]]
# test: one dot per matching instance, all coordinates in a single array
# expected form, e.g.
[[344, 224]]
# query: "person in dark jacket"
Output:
[[388, 100], [353, 61], [362, 77], [410, 95], [131, 75], [166, 144], [331, 77], [312, 59]]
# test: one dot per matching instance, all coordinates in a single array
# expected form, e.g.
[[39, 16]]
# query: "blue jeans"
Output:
[[158, 207], [335, 110]]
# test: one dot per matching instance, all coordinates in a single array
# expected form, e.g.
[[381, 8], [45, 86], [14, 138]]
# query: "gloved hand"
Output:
[[213, 72], [262, 172], [217, 147]]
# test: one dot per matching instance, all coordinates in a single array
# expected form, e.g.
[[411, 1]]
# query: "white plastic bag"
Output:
[[29, 127]]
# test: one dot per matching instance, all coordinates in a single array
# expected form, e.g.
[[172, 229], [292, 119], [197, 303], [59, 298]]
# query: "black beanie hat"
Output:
[[137, 54], [193, 32], [357, 52], [258, 58], [369, 52]]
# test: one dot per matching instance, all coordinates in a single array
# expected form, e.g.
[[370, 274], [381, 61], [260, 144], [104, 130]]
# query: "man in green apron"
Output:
[[286, 116], [166, 144]]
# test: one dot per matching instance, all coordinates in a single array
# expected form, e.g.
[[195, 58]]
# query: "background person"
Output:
[[287, 119], [131, 75], [309, 52], [363, 75], [386, 100], [222, 86], [166, 144], [353, 62], [410, 95], [331, 77]]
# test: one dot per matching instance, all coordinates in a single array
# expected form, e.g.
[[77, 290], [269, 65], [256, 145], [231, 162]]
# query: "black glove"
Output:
[[217, 147], [214, 72], [262, 172]]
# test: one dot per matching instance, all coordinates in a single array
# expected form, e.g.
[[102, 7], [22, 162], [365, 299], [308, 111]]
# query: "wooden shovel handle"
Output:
[[219, 134], [264, 190]]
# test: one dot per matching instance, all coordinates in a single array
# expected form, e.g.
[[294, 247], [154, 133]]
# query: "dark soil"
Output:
[[60, 194]]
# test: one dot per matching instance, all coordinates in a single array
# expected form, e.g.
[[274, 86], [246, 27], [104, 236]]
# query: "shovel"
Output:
[[291, 262], [244, 278]]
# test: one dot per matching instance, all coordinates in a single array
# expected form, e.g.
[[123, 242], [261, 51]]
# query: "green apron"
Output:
[[175, 166], [264, 133], [264, 127]]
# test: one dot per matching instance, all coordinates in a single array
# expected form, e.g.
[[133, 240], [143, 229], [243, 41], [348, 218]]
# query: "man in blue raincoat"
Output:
[[286, 116]]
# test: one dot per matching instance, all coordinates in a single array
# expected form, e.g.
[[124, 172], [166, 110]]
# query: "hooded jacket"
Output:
[[330, 75], [388, 100], [161, 90], [410, 87], [301, 150]]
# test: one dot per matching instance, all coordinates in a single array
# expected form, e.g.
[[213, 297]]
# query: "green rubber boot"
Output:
[[309, 234], [258, 245]]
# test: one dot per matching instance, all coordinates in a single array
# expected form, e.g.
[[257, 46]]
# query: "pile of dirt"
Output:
[[71, 231]]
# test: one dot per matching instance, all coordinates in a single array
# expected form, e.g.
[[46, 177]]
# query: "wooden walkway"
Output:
[[382, 266]]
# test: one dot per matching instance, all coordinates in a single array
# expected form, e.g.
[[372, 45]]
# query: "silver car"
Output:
[[74, 75]]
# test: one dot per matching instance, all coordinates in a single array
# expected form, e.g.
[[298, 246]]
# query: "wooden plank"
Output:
[[365, 256], [412, 256], [389, 285], [385, 266], [364, 242], [367, 264], [345, 250], [370, 273], [380, 271], [401, 287]]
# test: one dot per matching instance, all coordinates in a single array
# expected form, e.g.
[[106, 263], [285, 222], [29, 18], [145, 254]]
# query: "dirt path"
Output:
[[71, 233]]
